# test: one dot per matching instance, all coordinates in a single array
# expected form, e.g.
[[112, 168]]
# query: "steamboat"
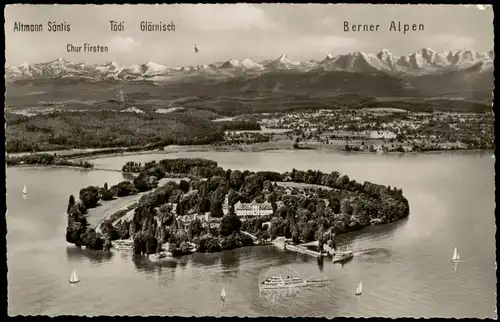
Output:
[[281, 282]]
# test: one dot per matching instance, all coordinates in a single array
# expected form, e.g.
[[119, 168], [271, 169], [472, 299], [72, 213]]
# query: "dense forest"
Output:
[[239, 125], [105, 129], [109, 129], [318, 207]]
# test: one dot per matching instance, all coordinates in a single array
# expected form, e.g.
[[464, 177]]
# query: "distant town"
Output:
[[370, 130]]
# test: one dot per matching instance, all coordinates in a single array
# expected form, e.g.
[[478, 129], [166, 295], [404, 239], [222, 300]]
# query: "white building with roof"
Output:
[[253, 209], [249, 210]]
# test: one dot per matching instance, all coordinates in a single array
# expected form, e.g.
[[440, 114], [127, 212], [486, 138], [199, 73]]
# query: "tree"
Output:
[[71, 203], [141, 183], [107, 244], [109, 230], [89, 196], [216, 211], [308, 231], [195, 228], [236, 179], [123, 230], [229, 224], [334, 204], [124, 188], [184, 186], [208, 243], [139, 247], [150, 244], [75, 230], [228, 242], [91, 240], [106, 193]]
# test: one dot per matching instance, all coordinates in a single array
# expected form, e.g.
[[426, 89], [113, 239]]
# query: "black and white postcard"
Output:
[[250, 160]]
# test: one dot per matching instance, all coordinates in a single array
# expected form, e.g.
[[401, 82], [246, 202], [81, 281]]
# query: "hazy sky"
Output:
[[239, 31]]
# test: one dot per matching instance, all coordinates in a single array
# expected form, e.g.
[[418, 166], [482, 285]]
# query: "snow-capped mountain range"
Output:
[[423, 62]]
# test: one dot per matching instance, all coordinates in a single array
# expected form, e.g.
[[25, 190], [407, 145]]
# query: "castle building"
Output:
[[249, 210]]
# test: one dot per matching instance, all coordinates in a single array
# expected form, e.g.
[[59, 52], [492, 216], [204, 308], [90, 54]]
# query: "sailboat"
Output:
[[121, 97], [360, 288], [223, 294], [73, 278], [25, 190], [456, 256]]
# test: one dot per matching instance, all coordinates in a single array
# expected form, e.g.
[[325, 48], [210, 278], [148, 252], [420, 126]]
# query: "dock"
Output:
[[303, 250], [330, 250]]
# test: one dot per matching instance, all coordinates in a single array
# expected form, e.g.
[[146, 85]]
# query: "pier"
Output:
[[303, 250]]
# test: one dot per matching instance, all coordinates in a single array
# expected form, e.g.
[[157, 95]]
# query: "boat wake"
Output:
[[317, 282], [279, 294], [372, 251]]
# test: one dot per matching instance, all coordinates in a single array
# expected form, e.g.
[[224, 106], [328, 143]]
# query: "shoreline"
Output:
[[59, 166], [109, 207], [209, 148]]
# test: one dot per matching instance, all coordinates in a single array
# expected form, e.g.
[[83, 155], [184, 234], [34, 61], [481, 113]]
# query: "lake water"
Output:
[[405, 267]]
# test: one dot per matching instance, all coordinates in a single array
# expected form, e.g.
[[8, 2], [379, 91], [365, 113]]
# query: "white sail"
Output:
[[25, 190], [360, 288], [456, 256], [121, 97], [223, 293], [74, 278]]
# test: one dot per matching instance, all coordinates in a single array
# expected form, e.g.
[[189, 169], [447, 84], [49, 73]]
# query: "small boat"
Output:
[[123, 244], [280, 243], [342, 256], [223, 293], [280, 282], [73, 278], [161, 256], [456, 256], [25, 190], [360, 288]]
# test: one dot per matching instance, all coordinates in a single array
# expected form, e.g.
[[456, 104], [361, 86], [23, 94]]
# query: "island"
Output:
[[184, 205]]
